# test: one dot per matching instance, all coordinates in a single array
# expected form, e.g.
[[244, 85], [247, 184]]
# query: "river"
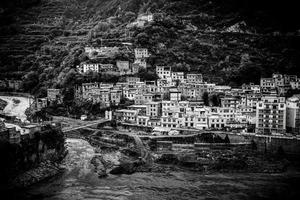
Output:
[[80, 182]]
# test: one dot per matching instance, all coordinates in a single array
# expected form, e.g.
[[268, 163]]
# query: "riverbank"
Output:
[[79, 181], [128, 157], [42, 172], [3, 104]]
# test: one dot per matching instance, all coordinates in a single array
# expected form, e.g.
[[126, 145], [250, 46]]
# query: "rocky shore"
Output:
[[43, 171], [3, 104]]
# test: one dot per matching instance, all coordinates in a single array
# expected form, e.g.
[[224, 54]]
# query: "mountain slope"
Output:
[[232, 41]]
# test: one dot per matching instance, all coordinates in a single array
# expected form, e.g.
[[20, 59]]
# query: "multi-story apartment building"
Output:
[[267, 84], [194, 78], [216, 122], [141, 99], [192, 91], [271, 115], [88, 67], [228, 114], [172, 118], [130, 93], [153, 109], [125, 115], [175, 95], [141, 53], [140, 108], [115, 96], [295, 84], [250, 100], [230, 102], [222, 88], [141, 62], [177, 76], [132, 80], [142, 120], [293, 114], [164, 72]]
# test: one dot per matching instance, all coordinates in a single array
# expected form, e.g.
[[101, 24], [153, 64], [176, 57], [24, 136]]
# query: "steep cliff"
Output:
[[17, 159]]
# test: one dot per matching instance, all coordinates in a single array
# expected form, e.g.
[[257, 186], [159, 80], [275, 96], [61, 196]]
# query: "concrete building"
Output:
[[230, 102], [148, 17], [132, 80], [164, 72], [293, 115], [115, 97], [178, 76], [171, 118], [194, 78], [271, 115], [153, 109], [141, 53], [175, 95], [141, 109], [216, 122], [141, 62], [142, 120], [88, 67], [141, 99], [125, 115]]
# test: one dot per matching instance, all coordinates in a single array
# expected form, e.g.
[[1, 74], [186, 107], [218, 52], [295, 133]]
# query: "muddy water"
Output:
[[80, 182]]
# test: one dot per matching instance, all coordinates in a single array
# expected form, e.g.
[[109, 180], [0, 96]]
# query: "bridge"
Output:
[[70, 124]]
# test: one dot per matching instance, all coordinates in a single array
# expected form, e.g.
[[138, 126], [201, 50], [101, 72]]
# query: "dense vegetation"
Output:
[[229, 42]]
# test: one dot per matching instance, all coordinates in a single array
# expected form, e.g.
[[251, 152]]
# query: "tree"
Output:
[[30, 81], [205, 98], [215, 99], [226, 140]]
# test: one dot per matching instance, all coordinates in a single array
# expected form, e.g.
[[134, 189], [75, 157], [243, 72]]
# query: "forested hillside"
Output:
[[229, 41]]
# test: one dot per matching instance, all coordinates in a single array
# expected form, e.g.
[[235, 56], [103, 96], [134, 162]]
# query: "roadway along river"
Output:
[[80, 182]]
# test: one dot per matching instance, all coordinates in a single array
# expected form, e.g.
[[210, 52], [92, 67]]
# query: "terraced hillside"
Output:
[[231, 42]]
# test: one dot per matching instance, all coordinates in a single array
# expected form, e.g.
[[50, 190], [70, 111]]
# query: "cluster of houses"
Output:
[[175, 102], [141, 20], [54, 96], [119, 68], [15, 134]]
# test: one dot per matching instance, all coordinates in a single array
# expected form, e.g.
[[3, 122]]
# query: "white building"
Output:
[[178, 76], [293, 115], [271, 115], [216, 122], [145, 17], [88, 67], [194, 78], [164, 72], [141, 53]]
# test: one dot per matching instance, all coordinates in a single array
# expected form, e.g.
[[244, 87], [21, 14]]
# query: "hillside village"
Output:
[[177, 99]]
